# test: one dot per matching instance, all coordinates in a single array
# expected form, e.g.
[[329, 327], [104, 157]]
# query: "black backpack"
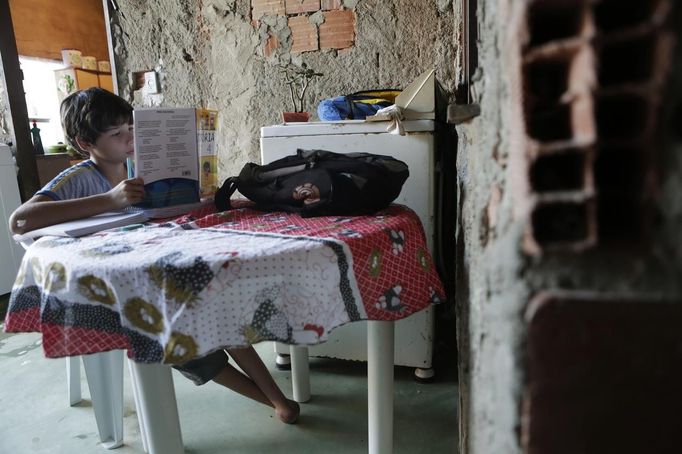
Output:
[[319, 183]]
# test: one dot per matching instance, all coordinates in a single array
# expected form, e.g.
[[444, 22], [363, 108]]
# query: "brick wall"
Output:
[[314, 24]]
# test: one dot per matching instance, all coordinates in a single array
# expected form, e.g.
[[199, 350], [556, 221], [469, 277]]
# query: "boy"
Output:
[[99, 124]]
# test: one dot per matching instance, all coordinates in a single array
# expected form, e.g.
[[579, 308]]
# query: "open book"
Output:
[[104, 221]]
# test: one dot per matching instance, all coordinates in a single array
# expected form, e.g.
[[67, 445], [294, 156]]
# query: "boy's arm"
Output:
[[41, 211]]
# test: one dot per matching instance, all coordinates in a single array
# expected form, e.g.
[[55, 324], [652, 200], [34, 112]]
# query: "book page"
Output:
[[165, 144], [166, 156]]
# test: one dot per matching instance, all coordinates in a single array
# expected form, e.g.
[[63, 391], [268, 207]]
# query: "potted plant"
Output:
[[298, 78]]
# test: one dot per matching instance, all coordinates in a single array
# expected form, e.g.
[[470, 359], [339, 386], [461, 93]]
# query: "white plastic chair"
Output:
[[104, 373]]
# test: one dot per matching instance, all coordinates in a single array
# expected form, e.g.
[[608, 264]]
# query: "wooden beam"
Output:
[[28, 173]]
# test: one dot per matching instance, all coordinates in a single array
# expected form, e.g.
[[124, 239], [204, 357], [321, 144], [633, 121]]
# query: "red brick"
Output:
[[271, 44], [262, 7], [303, 33], [338, 29], [302, 6], [326, 5]]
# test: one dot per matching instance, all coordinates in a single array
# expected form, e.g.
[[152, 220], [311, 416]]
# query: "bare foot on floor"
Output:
[[288, 414]]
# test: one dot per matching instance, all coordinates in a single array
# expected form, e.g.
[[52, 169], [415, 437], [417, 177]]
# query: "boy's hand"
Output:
[[127, 192]]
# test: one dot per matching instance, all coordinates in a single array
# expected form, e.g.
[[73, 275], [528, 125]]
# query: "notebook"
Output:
[[85, 226], [108, 220]]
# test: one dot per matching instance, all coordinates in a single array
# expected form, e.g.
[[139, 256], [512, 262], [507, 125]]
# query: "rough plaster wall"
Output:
[[490, 293], [208, 54], [495, 279]]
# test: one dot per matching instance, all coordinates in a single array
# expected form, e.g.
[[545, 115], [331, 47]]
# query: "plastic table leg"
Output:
[[380, 351], [300, 373]]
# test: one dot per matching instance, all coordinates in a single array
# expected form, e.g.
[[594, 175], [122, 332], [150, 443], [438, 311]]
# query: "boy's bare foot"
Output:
[[288, 413]]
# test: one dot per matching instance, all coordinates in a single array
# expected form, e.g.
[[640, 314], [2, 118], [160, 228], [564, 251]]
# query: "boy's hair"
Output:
[[89, 113]]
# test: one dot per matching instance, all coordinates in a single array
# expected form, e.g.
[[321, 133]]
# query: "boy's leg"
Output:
[[238, 382], [249, 361], [215, 366]]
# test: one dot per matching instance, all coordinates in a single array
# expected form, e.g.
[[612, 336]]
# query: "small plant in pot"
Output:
[[298, 78]]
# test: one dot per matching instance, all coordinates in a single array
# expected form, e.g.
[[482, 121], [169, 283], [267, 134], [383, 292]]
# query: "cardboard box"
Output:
[[417, 100]]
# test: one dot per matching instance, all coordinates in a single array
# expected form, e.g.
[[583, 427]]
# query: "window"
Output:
[[41, 97]]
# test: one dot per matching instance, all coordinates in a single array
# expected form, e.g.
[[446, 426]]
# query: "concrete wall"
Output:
[[213, 54], [490, 290]]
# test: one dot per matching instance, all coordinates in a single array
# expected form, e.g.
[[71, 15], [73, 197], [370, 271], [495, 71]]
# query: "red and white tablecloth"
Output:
[[171, 291]]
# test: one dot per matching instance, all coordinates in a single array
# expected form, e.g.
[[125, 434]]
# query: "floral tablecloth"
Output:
[[171, 291]]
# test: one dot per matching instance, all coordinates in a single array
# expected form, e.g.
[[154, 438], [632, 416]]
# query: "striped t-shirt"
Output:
[[80, 180]]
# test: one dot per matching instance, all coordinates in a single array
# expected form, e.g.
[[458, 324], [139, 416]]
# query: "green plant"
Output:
[[298, 78]]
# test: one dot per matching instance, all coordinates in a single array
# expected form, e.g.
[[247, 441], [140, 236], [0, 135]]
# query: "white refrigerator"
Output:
[[10, 252]]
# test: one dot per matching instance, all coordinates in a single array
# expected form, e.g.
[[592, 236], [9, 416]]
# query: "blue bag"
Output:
[[356, 106]]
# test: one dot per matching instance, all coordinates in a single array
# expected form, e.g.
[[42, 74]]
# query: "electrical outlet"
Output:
[[151, 82]]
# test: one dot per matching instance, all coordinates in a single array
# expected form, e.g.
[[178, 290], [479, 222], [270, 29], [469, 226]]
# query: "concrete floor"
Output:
[[35, 416]]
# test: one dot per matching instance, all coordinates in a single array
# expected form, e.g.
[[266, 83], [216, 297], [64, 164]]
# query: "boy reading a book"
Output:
[[99, 124]]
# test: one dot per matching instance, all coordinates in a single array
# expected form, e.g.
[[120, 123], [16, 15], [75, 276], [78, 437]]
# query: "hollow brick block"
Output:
[[593, 75]]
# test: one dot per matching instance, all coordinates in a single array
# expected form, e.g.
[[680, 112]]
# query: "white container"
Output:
[[89, 62], [72, 57], [10, 251], [104, 66], [414, 334]]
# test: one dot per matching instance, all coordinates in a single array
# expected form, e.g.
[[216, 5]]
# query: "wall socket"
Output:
[[151, 82]]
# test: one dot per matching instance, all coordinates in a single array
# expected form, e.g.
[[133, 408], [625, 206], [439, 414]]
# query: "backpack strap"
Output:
[[224, 193]]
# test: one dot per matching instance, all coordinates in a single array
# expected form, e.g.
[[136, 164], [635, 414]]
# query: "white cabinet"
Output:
[[10, 252]]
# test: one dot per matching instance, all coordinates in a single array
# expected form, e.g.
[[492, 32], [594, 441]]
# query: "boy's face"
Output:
[[113, 145]]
